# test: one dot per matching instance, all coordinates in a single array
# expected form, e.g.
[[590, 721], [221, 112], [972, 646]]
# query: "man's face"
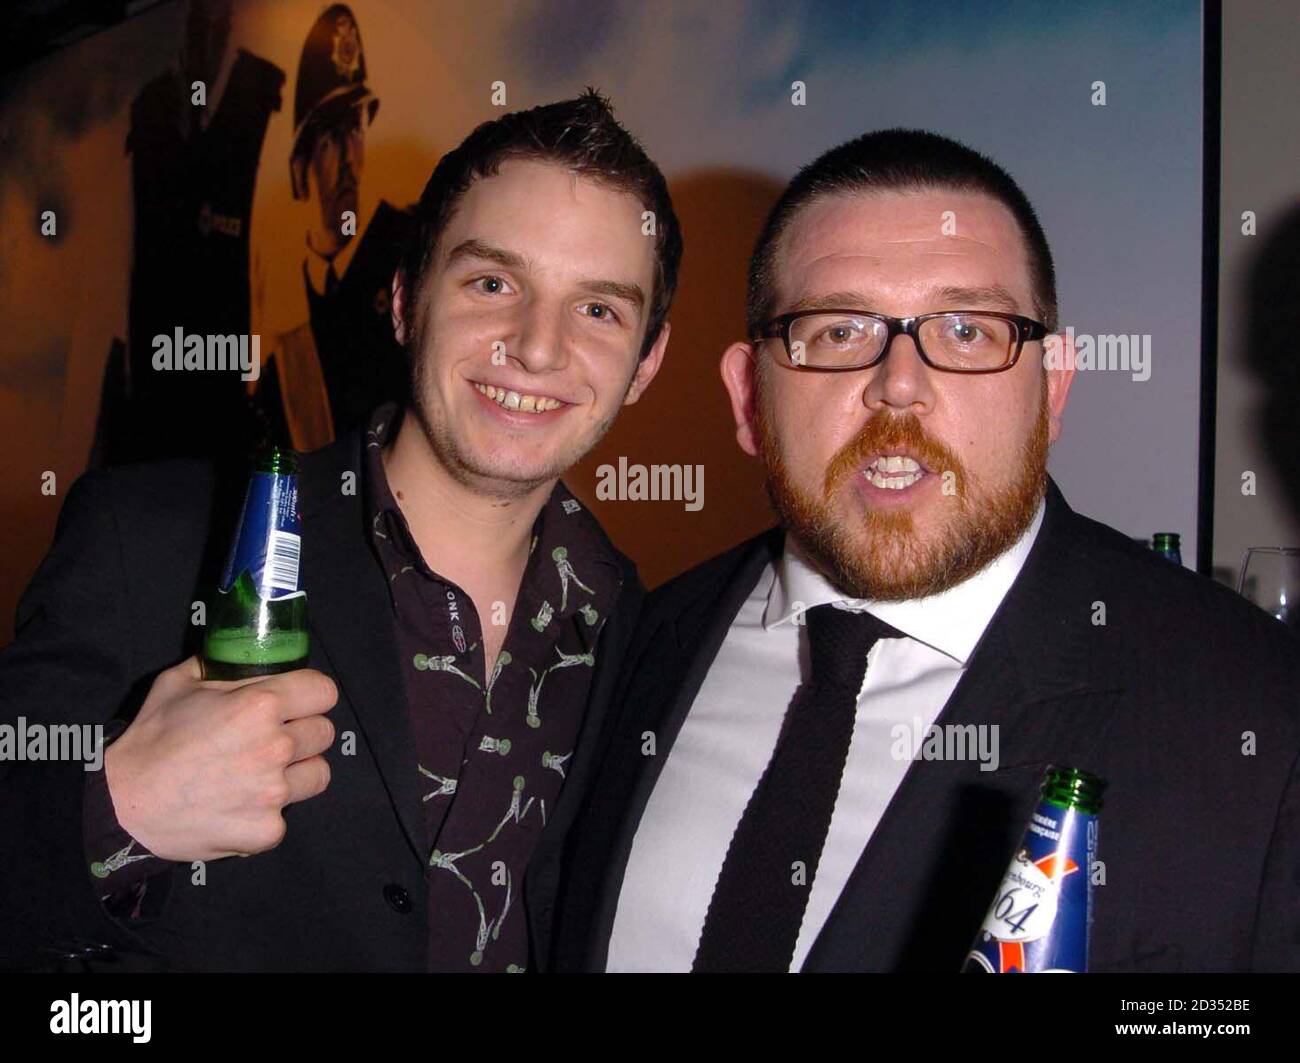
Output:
[[529, 325], [981, 440], [337, 158]]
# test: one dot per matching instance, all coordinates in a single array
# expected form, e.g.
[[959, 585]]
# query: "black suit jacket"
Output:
[[110, 607], [1200, 841]]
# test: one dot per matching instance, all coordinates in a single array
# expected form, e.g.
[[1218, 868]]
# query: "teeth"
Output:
[[892, 483], [512, 400], [896, 463]]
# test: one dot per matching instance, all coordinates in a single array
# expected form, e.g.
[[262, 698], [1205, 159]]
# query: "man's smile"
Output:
[[512, 403]]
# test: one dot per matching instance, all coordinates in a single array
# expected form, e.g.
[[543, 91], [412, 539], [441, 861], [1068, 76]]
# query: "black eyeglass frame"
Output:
[[1027, 331]]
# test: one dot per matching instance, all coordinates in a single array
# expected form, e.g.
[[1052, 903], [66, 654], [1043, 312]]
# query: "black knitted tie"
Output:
[[758, 903]]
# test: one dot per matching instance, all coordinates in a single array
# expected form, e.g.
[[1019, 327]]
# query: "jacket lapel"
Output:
[[542, 878], [684, 640], [349, 612], [922, 884]]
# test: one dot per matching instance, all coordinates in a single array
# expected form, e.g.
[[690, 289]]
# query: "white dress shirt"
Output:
[[730, 733]]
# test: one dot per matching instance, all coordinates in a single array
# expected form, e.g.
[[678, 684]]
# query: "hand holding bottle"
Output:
[[206, 767]]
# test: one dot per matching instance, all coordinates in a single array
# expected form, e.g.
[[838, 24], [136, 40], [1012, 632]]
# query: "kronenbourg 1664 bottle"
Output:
[[1041, 915], [258, 621]]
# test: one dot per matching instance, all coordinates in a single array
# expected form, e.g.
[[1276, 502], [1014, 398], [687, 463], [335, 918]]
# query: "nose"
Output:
[[540, 345], [901, 381], [352, 157], [345, 160]]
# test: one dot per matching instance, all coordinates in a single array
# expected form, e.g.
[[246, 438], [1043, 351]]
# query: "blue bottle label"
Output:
[[1042, 911], [269, 541]]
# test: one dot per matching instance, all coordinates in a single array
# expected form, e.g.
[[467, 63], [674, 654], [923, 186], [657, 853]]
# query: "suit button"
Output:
[[398, 899]]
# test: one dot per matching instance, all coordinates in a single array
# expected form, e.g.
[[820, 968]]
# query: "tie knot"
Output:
[[839, 641]]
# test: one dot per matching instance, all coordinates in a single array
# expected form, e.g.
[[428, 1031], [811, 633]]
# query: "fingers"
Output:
[[288, 695], [303, 692], [307, 778], [311, 735]]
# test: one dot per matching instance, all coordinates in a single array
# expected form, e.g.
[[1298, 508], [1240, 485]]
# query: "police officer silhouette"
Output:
[[324, 376], [193, 172]]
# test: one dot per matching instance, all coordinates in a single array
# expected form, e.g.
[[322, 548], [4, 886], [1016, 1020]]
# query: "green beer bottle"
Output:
[[1166, 545], [1041, 915], [258, 622]]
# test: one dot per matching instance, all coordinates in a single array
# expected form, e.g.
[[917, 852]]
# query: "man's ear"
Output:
[[648, 366], [397, 307], [739, 368], [1058, 363]]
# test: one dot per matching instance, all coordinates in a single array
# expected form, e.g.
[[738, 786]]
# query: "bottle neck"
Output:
[[276, 460], [1072, 788]]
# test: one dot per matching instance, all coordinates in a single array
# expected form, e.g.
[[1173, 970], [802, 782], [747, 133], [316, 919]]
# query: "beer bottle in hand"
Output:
[[258, 622]]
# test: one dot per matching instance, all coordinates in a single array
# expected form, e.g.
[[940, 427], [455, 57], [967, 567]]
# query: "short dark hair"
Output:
[[898, 160], [580, 134]]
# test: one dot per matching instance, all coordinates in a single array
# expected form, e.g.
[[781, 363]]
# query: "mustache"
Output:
[[884, 433]]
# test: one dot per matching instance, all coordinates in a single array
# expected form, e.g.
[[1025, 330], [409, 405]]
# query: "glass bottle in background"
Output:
[[257, 624], [1166, 545], [1041, 916], [1270, 577]]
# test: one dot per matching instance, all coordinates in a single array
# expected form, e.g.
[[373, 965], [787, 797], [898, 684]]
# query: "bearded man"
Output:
[[779, 789]]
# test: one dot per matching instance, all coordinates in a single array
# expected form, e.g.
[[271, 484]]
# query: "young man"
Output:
[[467, 615], [927, 572]]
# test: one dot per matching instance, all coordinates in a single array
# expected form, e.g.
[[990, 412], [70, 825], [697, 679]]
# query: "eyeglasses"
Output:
[[952, 341]]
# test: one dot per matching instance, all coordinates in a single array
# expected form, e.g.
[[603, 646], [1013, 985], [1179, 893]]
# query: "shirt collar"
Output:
[[568, 543], [951, 622], [318, 265]]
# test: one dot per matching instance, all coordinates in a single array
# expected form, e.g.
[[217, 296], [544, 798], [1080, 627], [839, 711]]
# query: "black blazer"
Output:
[[110, 607], [1200, 842]]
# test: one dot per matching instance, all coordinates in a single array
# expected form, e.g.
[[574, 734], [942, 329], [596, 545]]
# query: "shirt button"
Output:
[[398, 899]]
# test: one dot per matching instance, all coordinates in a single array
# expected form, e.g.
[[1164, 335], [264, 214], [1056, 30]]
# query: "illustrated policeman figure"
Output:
[[324, 376]]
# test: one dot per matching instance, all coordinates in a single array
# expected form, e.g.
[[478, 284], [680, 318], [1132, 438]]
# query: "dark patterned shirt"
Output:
[[492, 751]]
